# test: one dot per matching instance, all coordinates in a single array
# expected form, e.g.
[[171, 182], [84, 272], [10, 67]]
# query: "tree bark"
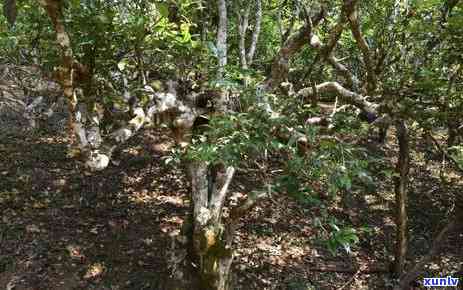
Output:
[[211, 242], [455, 132], [222, 36], [365, 49], [345, 95], [255, 33], [401, 190], [280, 64], [247, 55], [243, 23], [55, 13], [209, 187]]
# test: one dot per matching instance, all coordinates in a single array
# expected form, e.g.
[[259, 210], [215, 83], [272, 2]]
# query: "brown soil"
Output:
[[63, 229]]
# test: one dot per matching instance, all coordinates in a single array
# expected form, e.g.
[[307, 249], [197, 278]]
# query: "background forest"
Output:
[[230, 144]]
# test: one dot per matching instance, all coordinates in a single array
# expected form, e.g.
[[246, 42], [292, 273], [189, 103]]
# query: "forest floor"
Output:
[[63, 229]]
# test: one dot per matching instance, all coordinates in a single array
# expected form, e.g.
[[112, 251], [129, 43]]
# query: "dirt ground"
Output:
[[61, 228]]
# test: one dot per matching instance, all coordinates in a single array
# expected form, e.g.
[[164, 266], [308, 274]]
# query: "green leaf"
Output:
[[163, 9], [185, 30]]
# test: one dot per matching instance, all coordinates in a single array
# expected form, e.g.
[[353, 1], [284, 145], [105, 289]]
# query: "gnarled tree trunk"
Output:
[[212, 235], [211, 240]]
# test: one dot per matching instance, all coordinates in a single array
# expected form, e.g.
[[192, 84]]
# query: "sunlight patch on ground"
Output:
[[95, 270], [142, 197]]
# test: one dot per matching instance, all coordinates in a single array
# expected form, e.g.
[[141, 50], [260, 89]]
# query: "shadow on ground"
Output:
[[63, 229]]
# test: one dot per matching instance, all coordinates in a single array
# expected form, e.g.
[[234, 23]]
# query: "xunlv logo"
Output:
[[440, 282]]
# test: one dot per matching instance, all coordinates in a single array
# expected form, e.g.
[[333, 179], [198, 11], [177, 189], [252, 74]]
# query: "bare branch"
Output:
[[97, 150], [280, 65], [351, 79], [363, 46], [326, 50], [337, 30], [346, 95], [218, 198]]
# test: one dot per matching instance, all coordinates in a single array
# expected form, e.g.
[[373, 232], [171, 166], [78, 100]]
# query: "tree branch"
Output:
[[346, 96], [218, 198], [350, 78], [280, 64], [336, 31], [97, 150], [363, 45], [325, 50]]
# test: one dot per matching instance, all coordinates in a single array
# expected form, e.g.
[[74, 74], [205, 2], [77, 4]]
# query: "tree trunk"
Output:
[[222, 36], [216, 260], [255, 33], [401, 187], [54, 11], [211, 236], [455, 224], [211, 239], [243, 23]]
